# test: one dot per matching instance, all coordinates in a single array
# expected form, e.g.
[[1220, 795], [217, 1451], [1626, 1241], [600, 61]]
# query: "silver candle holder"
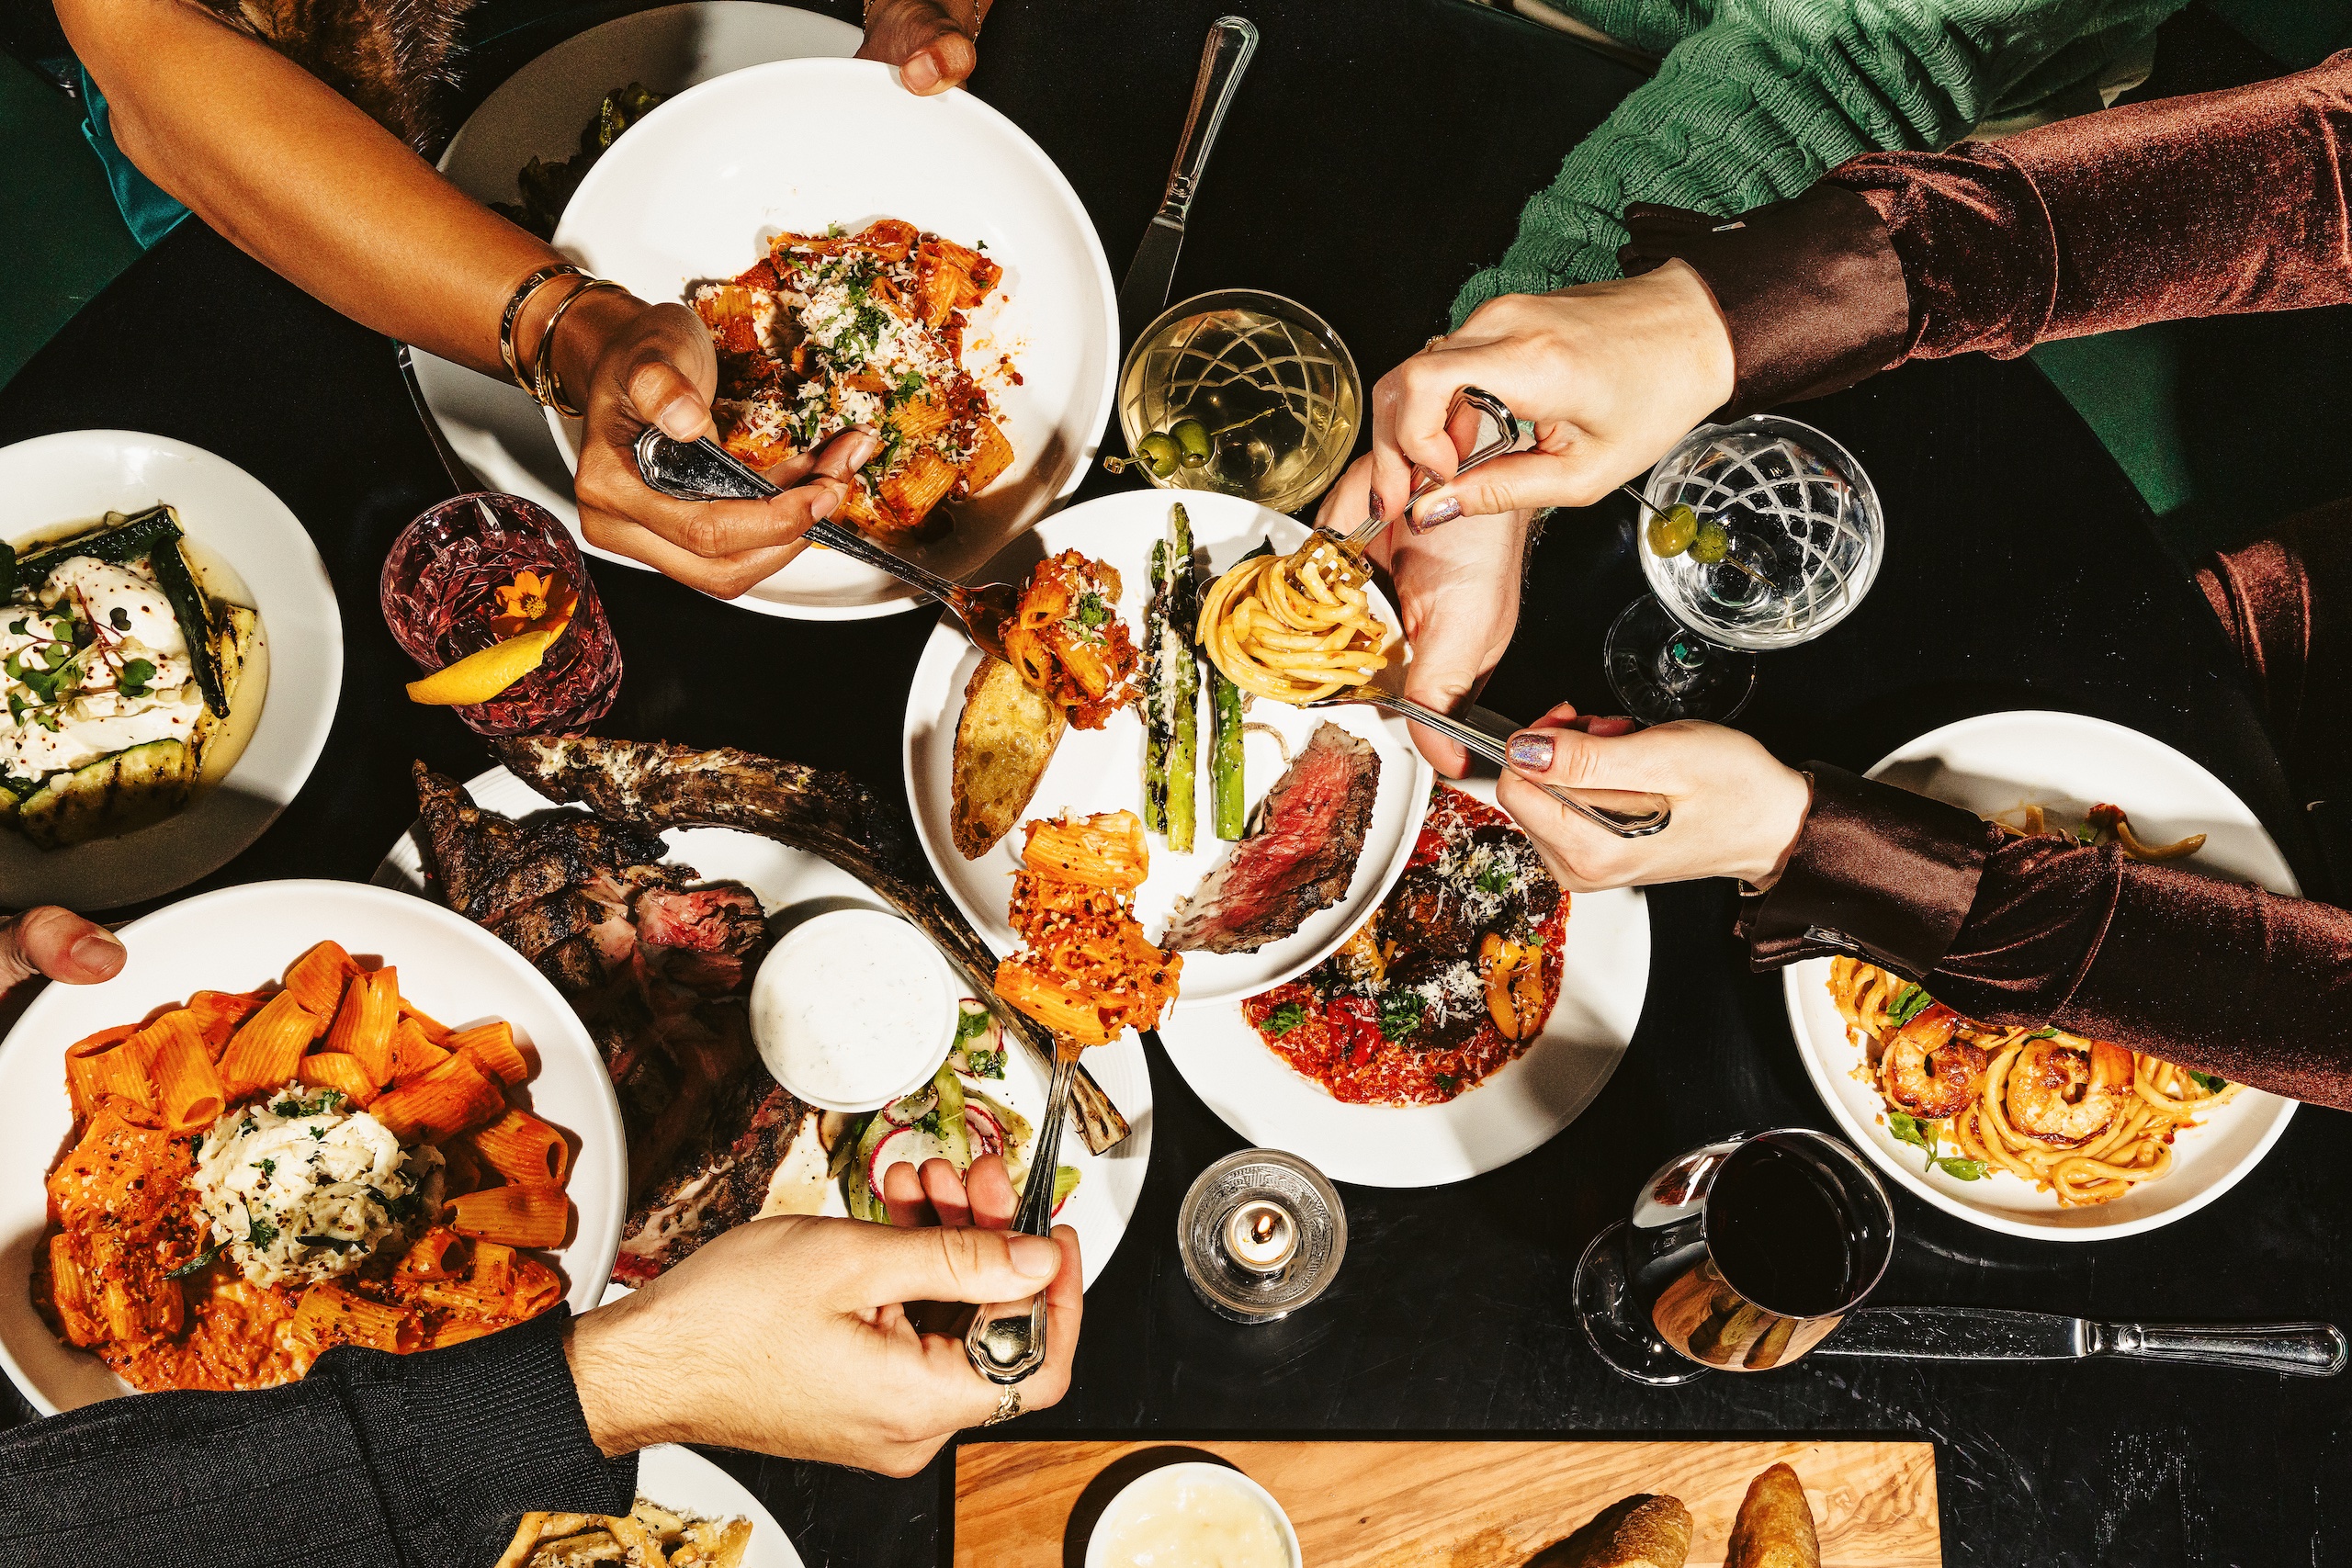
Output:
[[1261, 1234]]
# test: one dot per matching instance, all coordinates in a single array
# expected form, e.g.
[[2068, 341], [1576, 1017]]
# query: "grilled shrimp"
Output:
[[1928, 1070], [2063, 1093]]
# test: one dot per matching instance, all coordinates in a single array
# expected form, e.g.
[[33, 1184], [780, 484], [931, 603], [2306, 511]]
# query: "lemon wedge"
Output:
[[477, 677]]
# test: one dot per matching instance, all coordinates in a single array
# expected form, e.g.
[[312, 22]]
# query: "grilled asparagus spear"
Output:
[[1227, 794], [1171, 689]]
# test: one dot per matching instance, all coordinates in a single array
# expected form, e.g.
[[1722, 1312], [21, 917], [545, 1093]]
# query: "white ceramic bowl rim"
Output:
[[1198, 1471], [899, 931]]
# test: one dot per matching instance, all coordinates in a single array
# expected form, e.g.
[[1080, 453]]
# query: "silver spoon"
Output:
[[703, 470], [1005, 1344], [1486, 737]]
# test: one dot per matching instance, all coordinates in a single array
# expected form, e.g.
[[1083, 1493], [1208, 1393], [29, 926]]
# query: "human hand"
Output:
[[1457, 593], [1609, 374], [930, 41], [654, 364], [790, 1337], [58, 943], [1738, 809], [937, 1195]]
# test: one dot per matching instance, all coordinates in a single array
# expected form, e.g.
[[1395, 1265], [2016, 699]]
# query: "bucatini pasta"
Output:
[[254, 1176], [1294, 629]]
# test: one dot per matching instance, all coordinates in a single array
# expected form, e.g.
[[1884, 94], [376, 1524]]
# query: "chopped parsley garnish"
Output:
[[1445, 1081], [202, 1259], [985, 1064], [929, 1122], [971, 1026], [1909, 1003], [290, 1107], [1401, 1014], [1495, 879], [259, 1233], [269, 1168], [320, 1133], [1090, 611], [1284, 1019]]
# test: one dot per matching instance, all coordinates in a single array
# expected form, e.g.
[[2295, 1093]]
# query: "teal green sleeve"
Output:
[[1766, 95]]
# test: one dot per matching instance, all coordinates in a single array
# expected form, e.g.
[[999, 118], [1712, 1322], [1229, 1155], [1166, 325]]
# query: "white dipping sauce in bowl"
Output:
[[1194, 1516], [851, 1010]]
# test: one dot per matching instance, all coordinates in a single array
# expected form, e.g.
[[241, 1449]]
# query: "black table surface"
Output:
[[1375, 155]]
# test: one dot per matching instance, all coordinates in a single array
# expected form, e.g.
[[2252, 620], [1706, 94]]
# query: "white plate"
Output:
[[684, 1482], [1096, 771], [78, 477], [495, 425], [793, 883], [1604, 974], [241, 937], [2068, 763], [693, 190]]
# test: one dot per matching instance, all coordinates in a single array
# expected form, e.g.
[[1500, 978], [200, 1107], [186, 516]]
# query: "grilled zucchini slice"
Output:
[[112, 796]]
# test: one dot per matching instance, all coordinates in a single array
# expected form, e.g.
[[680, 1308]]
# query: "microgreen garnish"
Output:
[[1284, 1019]]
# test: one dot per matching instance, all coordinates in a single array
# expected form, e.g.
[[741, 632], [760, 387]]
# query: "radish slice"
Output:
[[881, 1160], [987, 1135], [913, 1108]]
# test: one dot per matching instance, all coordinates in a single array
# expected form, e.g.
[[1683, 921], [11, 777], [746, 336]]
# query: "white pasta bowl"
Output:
[[2068, 763], [694, 190], [240, 938]]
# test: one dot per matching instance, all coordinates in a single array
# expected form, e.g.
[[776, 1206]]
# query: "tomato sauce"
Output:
[[1337, 1039]]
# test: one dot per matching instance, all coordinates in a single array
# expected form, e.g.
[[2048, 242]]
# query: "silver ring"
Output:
[[1008, 1406]]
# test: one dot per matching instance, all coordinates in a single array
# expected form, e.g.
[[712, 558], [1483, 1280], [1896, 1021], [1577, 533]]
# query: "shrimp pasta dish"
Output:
[[2086, 1121], [256, 1177], [834, 330], [1294, 629]]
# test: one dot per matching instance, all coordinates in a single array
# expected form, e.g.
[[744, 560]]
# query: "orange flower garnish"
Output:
[[532, 602]]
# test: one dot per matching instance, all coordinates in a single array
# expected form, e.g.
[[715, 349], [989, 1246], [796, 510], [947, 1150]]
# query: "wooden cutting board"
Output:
[[1453, 1505]]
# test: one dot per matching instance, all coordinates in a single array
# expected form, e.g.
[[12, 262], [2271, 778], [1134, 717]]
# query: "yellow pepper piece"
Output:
[[477, 677]]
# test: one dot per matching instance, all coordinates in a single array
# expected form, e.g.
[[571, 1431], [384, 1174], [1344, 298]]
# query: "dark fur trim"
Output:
[[387, 56]]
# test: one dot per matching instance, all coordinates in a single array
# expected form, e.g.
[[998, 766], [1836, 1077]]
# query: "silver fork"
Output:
[[1484, 733], [1004, 1344], [703, 470]]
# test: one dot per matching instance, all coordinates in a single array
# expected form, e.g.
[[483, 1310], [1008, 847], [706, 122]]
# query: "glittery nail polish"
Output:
[[1531, 749], [1445, 512]]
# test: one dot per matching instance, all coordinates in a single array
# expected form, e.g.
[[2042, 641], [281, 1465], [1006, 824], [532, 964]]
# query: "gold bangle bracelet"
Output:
[[513, 315], [545, 385]]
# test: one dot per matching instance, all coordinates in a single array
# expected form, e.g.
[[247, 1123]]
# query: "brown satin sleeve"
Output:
[[1811, 288], [2212, 204], [2286, 602], [2208, 974], [1874, 866]]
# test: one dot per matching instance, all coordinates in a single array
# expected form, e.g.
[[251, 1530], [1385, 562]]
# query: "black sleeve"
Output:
[[371, 1461]]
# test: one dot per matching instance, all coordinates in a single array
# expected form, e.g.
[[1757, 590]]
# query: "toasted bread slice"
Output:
[[1645, 1530], [1003, 741]]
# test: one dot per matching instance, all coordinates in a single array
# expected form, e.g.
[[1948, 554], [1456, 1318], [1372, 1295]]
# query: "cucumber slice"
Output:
[[115, 795]]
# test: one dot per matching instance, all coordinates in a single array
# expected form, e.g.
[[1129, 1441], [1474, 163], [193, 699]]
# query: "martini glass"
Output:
[[1787, 540]]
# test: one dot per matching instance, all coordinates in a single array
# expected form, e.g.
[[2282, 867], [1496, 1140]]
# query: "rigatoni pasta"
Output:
[[257, 1175]]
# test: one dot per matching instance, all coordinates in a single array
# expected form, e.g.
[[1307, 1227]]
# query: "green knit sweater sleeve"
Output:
[[1766, 95]]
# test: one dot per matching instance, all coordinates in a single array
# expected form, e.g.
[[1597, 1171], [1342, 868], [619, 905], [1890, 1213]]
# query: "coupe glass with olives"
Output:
[[1757, 535], [1239, 391]]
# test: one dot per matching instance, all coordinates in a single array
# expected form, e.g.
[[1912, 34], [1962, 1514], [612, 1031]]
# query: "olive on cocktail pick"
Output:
[[1191, 438], [1672, 531]]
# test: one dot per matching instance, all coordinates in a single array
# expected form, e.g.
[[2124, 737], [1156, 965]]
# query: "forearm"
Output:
[[372, 1458], [2214, 204], [2224, 978], [1755, 106], [300, 179]]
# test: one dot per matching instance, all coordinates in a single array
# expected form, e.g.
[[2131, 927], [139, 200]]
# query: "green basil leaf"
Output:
[[1909, 1003]]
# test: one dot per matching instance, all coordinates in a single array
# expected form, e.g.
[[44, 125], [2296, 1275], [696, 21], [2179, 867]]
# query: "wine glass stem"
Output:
[[1681, 662]]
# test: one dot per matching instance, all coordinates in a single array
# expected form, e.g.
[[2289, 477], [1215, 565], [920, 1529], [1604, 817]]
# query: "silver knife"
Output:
[[1232, 40], [1994, 1333]]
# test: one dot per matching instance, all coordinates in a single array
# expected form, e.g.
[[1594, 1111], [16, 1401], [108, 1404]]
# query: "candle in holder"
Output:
[[1261, 1234]]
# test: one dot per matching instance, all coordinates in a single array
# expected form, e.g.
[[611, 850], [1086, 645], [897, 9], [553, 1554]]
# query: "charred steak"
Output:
[[1310, 834], [658, 969]]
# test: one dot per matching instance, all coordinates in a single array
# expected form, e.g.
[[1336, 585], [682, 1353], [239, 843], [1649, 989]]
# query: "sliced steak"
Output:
[[1309, 836], [725, 1185]]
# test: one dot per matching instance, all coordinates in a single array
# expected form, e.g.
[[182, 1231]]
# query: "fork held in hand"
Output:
[[703, 470]]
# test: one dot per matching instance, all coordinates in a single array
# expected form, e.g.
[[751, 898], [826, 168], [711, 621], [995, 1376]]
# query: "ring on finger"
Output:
[[1008, 1406]]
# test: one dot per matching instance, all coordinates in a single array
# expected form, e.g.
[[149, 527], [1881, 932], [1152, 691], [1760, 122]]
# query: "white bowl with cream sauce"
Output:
[[1194, 1516], [853, 1009]]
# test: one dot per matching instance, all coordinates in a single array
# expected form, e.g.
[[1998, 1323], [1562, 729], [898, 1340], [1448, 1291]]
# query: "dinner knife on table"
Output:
[[1231, 42], [1996, 1334]]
